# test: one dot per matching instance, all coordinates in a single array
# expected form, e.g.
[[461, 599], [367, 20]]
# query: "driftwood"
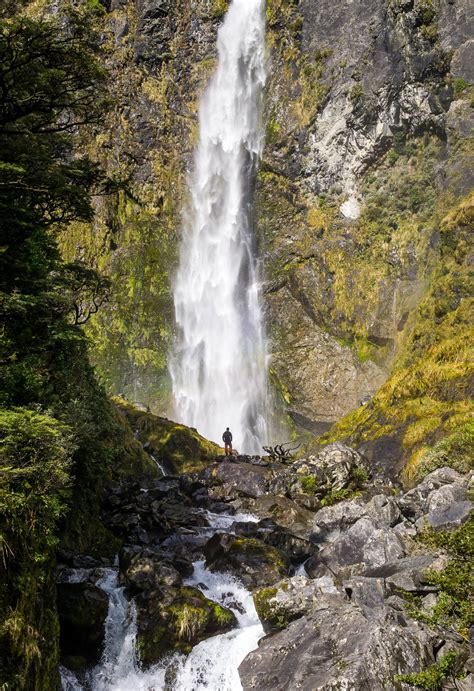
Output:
[[281, 452]]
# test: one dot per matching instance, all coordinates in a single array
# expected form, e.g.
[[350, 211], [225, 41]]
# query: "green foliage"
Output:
[[435, 676], [455, 582], [308, 483], [460, 86], [356, 92], [59, 434], [35, 458]]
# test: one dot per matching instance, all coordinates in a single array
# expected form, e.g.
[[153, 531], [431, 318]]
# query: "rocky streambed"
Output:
[[331, 557]]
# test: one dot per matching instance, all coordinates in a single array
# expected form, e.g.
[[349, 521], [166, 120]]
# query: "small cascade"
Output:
[[159, 465], [211, 665], [214, 663]]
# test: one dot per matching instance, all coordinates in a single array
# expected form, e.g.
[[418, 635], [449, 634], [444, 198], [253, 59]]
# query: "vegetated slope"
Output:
[[61, 439]]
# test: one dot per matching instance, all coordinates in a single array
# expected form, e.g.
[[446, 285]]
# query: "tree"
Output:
[[51, 84]]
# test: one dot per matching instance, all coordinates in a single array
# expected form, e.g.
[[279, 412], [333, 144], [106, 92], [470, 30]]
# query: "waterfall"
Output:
[[218, 369]]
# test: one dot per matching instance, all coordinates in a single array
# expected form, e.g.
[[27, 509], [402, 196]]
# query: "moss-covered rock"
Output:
[[176, 620], [178, 448], [252, 561]]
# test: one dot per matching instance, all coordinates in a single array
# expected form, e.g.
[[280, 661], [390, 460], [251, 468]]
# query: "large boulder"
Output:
[[147, 573], [176, 619], [285, 601], [82, 610], [336, 646], [415, 503], [362, 546], [238, 479], [406, 574], [283, 511], [255, 563]]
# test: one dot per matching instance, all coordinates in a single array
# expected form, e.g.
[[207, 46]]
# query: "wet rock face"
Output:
[[82, 609], [367, 76]]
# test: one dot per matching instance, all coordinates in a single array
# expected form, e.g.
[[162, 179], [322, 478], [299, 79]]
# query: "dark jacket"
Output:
[[227, 437]]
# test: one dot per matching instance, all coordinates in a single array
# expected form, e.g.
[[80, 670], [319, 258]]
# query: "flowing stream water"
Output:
[[219, 370], [212, 665]]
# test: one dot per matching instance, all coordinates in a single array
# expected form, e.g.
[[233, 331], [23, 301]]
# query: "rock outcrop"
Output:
[[348, 593]]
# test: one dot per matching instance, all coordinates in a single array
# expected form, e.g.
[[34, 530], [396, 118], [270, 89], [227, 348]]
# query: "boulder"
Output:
[[238, 479], [175, 619], [367, 593], [283, 511], [256, 564], [285, 601], [362, 546], [405, 574], [414, 503], [336, 646], [146, 573], [82, 610]]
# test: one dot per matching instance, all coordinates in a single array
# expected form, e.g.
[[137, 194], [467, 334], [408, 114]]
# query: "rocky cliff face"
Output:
[[368, 113]]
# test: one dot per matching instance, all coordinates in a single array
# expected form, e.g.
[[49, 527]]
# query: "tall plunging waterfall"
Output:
[[219, 367]]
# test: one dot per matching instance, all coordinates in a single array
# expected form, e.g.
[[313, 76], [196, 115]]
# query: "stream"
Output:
[[212, 664]]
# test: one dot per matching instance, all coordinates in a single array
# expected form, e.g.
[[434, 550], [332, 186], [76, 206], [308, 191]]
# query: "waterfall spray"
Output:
[[219, 370]]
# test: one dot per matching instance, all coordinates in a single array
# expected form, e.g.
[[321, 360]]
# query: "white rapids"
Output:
[[219, 367], [211, 666]]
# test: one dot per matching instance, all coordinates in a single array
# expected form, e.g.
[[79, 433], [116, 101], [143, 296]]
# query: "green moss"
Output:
[[219, 8], [460, 86], [271, 615], [223, 617], [180, 448]]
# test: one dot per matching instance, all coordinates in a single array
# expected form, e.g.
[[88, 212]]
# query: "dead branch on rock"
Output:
[[281, 452]]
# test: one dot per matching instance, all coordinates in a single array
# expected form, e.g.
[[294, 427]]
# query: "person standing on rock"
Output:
[[227, 439]]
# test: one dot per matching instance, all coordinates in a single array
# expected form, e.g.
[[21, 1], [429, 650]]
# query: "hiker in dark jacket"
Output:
[[227, 439]]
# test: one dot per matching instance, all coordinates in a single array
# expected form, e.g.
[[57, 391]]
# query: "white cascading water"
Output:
[[211, 666], [218, 370]]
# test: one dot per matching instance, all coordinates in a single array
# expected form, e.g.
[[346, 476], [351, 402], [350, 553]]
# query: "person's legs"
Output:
[[228, 449]]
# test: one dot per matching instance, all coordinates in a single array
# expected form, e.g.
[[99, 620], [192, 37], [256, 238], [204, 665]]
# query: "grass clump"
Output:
[[435, 676], [308, 484]]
